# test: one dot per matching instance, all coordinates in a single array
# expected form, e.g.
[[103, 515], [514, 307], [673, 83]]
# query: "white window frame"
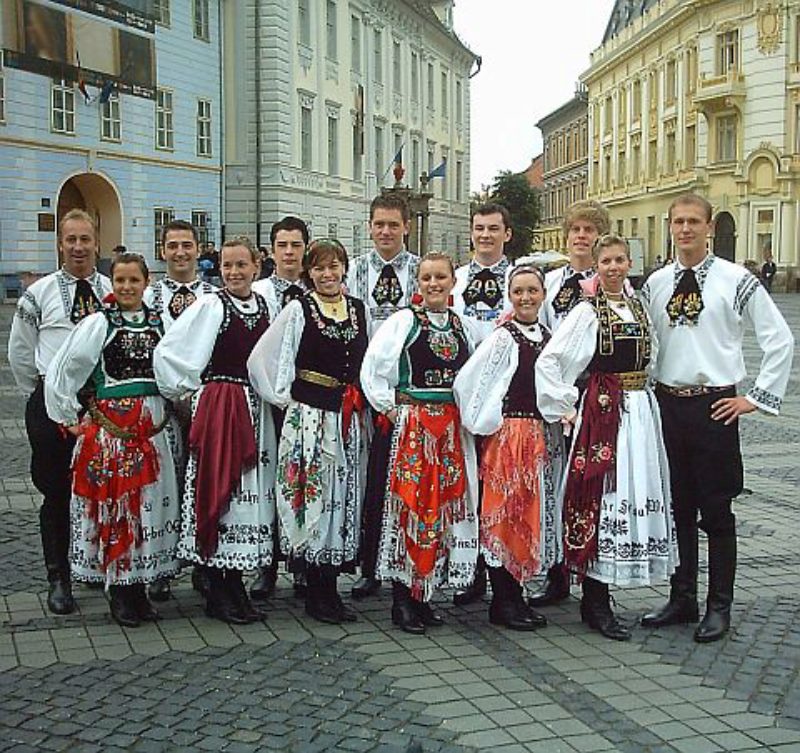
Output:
[[306, 137], [204, 122], [165, 119], [331, 30], [397, 66], [201, 221], [162, 12], [728, 51], [111, 119], [445, 84], [161, 217], [201, 20], [333, 145], [355, 44], [414, 76], [377, 53], [304, 22], [62, 105], [727, 133]]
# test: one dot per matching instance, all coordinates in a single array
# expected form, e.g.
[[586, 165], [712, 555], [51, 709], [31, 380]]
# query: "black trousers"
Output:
[[705, 462], [51, 460], [372, 513]]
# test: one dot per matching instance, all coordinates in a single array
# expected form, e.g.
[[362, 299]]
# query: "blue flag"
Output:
[[438, 172]]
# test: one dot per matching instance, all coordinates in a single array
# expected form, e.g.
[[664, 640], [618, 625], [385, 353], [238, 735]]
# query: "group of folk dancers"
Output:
[[431, 425]]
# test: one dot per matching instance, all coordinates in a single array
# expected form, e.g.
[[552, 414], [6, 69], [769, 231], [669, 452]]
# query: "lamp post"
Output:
[[419, 204]]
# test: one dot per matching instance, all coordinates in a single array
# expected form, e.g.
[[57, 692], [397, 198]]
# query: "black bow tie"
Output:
[[686, 302], [181, 300], [84, 303], [292, 292], [569, 294], [484, 287], [387, 288]]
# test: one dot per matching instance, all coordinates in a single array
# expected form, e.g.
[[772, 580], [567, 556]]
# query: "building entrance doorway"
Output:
[[725, 236]]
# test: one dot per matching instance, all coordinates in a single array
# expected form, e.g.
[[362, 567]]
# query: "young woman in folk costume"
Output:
[[430, 528], [520, 526], [617, 508], [308, 363], [228, 510], [125, 502]]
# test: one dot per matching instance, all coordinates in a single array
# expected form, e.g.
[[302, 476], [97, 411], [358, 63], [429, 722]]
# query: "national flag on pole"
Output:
[[396, 162], [81, 83], [107, 91], [438, 172]]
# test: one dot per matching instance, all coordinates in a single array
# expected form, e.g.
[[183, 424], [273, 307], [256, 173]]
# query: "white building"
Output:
[[150, 152], [319, 97]]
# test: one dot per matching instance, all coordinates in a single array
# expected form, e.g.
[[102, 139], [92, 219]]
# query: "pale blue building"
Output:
[[116, 112]]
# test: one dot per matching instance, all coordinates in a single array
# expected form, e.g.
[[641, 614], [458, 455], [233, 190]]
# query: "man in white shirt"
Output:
[[480, 293], [171, 296], [46, 313], [289, 239], [699, 306], [181, 286], [385, 279], [584, 222]]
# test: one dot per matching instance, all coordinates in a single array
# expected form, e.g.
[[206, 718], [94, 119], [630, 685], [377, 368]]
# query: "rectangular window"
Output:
[[621, 228], [161, 12], [380, 160], [305, 138], [670, 86], [201, 20], [165, 131], [62, 116], [431, 97], [652, 160], [634, 227], [333, 146], [358, 151], [459, 101], [728, 51], [653, 81], [445, 94], [415, 166], [201, 221], [622, 109], [669, 153], [622, 168], [378, 53], [636, 97], [691, 70], [161, 217], [304, 22], [609, 116], [797, 129], [330, 29], [651, 237], [204, 127], [459, 180], [397, 68], [355, 44], [690, 146], [607, 171], [414, 76], [110, 124], [726, 138]]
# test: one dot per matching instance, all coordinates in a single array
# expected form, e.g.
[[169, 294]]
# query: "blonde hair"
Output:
[[241, 240], [588, 211], [609, 240], [77, 214], [437, 256]]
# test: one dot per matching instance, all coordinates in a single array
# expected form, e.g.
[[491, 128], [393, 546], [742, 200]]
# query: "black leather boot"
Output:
[[596, 611], [55, 548], [476, 590], [330, 579], [555, 589], [508, 608], [404, 613], [238, 595], [59, 595], [721, 575], [365, 586], [144, 609], [200, 579], [160, 589], [318, 604], [263, 587], [681, 608], [123, 606], [219, 603], [297, 567]]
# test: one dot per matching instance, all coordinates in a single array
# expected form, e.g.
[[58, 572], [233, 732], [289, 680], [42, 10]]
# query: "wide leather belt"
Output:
[[632, 380], [322, 380], [694, 390]]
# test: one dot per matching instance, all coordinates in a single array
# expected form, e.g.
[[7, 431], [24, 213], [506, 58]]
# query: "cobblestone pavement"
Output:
[[81, 683]]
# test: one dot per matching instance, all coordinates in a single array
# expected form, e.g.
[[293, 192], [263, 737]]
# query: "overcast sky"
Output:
[[533, 54]]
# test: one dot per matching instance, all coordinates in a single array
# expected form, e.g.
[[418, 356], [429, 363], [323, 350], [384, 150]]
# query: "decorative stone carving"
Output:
[[770, 28], [305, 55], [306, 99]]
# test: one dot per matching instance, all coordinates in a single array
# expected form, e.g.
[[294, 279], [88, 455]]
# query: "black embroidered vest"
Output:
[[520, 400]]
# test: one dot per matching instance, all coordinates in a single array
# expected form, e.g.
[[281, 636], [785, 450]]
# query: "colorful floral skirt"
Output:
[[429, 534], [124, 511], [513, 461]]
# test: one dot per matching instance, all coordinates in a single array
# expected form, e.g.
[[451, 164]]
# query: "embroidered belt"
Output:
[[115, 431], [403, 398], [694, 390], [322, 380], [632, 380]]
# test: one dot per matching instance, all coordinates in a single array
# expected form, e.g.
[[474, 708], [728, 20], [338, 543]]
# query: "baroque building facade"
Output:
[[112, 109], [700, 95], [320, 95], [565, 135]]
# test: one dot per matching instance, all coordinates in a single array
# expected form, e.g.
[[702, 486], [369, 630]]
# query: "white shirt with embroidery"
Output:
[[553, 281], [481, 316], [158, 296]]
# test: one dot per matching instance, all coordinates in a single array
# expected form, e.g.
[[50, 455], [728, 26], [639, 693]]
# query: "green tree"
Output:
[[513, 192]]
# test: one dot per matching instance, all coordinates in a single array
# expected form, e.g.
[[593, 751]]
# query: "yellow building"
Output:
[[700, 95], [565, 135]]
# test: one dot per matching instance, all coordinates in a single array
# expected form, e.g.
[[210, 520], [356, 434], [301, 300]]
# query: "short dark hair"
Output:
[[320, 250], [289, 223], [492, 208], [178, 225], [391, 202], [129, 257], [692, 198]]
